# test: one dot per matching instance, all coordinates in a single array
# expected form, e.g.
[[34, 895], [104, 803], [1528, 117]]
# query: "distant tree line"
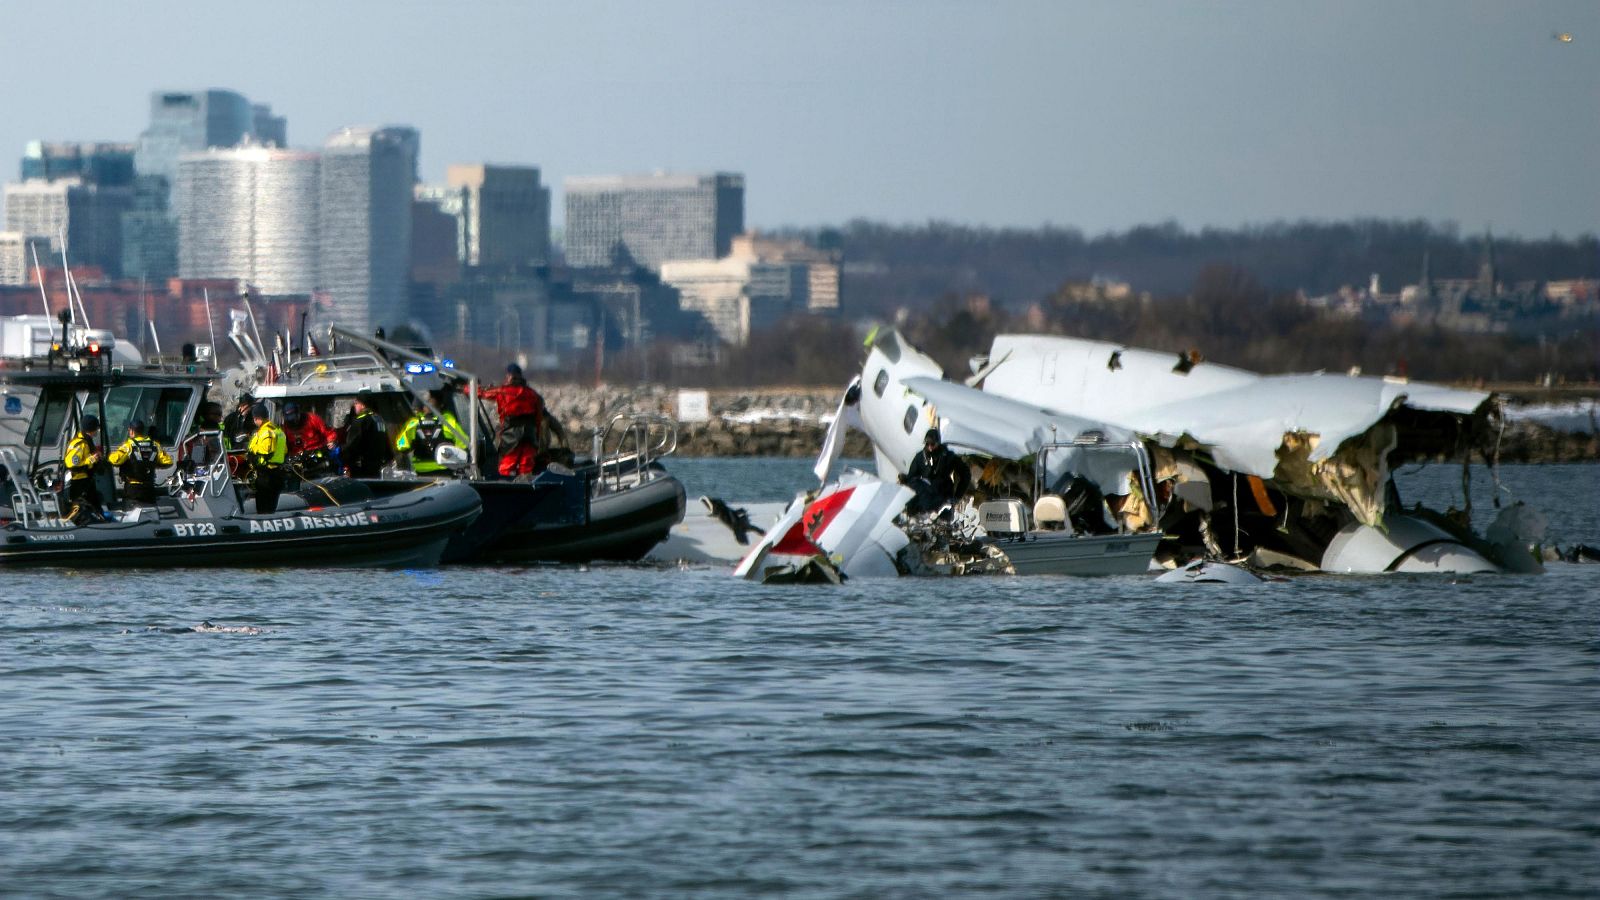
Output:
[[1231, 295], [889, 267], [1230, 317]]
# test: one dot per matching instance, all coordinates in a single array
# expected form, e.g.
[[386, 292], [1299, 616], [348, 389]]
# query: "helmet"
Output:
[[514, 369]]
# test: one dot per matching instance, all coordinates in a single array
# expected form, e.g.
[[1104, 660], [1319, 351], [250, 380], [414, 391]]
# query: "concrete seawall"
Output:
[[791, 421]]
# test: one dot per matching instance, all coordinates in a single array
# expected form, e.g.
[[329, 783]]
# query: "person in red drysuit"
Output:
[[305, 430], [520, 408]]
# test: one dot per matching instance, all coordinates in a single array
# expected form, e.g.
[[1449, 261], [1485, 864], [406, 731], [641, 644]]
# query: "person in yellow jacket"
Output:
[[424, 433], [81, 459], [269, 447], [138, 457]]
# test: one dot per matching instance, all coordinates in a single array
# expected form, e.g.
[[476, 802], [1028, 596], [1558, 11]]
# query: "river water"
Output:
[[629, 731]]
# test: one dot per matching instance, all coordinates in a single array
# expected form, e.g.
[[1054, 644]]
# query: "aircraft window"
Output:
[[881, 382], [911, 418]]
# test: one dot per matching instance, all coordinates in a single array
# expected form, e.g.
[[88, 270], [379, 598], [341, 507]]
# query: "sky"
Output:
[[1093, 115]]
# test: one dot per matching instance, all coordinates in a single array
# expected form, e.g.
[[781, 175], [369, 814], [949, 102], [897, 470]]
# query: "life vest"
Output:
[[423, 436], [430, 431], [269, 447], [138, 457]]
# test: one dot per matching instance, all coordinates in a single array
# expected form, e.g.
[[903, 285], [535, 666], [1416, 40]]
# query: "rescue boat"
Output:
[[203, 516], [613, 502]]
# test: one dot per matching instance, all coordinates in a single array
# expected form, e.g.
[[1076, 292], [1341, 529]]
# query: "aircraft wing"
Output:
[[979, 422]]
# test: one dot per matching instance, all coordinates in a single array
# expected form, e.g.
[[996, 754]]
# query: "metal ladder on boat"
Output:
[[34, 508], [641, 439]]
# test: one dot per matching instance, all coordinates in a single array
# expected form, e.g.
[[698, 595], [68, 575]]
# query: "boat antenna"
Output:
[[38, 275], [211, 328], [71, 284], [249, 310], [153, 336], [83, 311]]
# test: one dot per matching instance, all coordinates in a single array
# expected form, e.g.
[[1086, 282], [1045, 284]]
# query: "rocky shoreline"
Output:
[[792, 421], [760, 422]]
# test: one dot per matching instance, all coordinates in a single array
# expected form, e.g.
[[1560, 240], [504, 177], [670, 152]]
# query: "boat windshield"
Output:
[[161, 409], [50, 416]]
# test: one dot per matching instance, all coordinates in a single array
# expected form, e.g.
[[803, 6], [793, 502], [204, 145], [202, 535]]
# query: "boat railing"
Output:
[[210, 479], [639, 440], [315, 368], [1094, 441], [33, 507]]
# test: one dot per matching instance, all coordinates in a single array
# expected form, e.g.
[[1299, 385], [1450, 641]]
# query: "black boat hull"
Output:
[[408, 532], [547, 521]]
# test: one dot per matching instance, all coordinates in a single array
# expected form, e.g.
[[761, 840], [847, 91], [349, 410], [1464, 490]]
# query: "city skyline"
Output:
[[1084, 116]]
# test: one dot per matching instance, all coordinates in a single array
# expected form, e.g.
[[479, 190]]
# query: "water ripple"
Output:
[[622, 730]]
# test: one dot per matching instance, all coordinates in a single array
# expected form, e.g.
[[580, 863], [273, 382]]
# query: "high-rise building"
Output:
[[737, 296], [505, 215], [651, 219], [149, 232], [81, 188], [819, 293], [368, 175], [250, 213], [433, 244], [87, 215], [104, 164], [270, 130], [183, 122], [187, 121], [14, 261], [450, 202]]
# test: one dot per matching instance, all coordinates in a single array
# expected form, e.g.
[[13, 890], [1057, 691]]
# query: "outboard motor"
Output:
[[451, 457]]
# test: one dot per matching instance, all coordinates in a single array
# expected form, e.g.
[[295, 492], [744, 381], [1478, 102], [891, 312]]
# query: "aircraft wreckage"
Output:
[[1090, 458]]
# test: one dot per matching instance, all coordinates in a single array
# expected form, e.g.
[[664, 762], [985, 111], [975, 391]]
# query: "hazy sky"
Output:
[[1095, 115]]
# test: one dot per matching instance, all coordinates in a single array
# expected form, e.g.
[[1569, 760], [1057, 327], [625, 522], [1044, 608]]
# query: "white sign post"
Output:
[[694, 406]]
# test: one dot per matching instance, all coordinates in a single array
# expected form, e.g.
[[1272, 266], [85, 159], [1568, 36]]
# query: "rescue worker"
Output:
[[268, 450], [366, 446], [520, 408], [137, 458], [81, 460], [937, 474], [424, 433], [309, 437], [239, 426]]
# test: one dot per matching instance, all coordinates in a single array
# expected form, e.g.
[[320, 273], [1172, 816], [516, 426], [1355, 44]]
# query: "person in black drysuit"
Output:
[[937, 474], [365, 448], [239, 425]]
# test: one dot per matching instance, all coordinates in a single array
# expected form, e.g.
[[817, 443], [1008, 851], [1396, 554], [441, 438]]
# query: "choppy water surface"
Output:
[[630, 731]]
